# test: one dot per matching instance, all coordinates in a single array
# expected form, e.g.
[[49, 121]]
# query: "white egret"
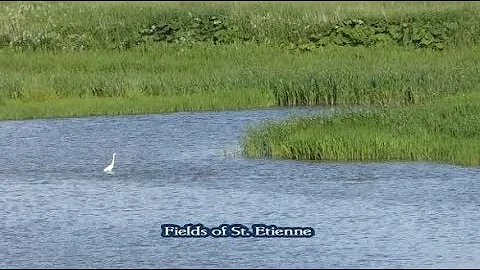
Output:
[[109, 168]]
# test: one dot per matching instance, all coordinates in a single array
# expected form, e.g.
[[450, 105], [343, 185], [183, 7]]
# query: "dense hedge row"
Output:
[[435, 31]]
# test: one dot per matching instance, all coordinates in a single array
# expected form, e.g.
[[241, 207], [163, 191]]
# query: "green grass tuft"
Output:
[[445, 130]]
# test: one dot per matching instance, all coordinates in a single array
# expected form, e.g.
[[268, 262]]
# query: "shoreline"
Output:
[[80, 107], [166, 57], [442, 131]]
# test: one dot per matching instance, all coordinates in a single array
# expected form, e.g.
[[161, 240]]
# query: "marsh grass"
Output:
[[446, 130], [80, 107], [332, 76]]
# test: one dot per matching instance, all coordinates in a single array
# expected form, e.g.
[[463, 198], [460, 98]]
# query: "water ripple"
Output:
[[59, 210]]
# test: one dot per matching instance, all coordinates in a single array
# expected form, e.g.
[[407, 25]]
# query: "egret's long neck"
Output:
[[113, 160]]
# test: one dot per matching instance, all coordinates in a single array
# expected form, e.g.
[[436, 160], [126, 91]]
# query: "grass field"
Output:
[[415, 63], [118, 25], [167, 78]]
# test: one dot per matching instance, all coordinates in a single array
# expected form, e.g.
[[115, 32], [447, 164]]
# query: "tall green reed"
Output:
[[445, 130], [332, 76]]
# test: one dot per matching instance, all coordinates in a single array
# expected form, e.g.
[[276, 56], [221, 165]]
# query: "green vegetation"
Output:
[[447, 130], [165, 79], [415, 64], [305, 25], [76, 107], [171, 78]]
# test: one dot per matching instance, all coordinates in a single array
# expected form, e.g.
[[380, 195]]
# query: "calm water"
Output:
[[58, 209]]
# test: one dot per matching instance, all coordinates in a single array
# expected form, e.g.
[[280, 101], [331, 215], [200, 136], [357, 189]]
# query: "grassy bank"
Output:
[[81, 107], [446, 130], [418, 61], [175, 77]]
